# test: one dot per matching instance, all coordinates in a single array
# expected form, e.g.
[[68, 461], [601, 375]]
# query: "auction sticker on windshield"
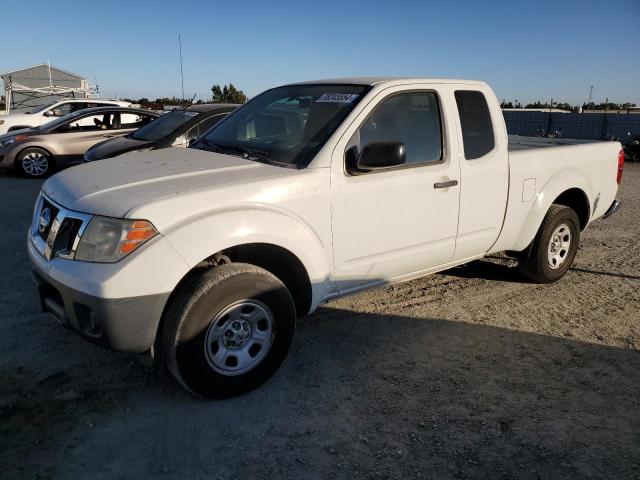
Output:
[[337, 98]]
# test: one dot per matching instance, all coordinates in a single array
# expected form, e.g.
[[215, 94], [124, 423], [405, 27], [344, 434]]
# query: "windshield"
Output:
[[163, 126], [41, 108], [285, 125]]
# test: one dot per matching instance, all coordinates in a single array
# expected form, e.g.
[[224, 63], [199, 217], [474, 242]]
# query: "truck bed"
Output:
[[518, 142]]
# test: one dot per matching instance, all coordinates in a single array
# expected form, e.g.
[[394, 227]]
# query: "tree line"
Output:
[[567, 106], [219, 94]]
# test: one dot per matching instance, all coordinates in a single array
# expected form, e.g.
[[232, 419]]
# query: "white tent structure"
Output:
[[33, 86]]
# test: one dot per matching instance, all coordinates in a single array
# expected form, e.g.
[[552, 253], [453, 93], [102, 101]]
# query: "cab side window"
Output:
[[102, 121], [475, 120], [134, 120], [412, 118], [61, 110]]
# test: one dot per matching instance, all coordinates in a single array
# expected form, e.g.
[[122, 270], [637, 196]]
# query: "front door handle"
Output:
[[447, 184]]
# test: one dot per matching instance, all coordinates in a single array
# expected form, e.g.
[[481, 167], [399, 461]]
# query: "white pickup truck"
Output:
[[206, 256]]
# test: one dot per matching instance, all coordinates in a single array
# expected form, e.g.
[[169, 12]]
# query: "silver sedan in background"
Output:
[[63, 142]]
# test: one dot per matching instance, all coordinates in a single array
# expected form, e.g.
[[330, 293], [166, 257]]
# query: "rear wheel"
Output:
[[554, 248], [228, 330], [34, 162]]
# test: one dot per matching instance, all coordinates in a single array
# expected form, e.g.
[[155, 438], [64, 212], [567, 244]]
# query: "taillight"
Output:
[[620, 166]]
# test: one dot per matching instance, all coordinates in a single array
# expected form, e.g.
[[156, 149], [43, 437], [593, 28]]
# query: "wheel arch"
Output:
[[16, 158], [569, 187], [576, 199], [279, 261]]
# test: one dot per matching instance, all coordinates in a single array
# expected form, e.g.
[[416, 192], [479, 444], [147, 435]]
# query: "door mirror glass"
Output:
[[380, 155]]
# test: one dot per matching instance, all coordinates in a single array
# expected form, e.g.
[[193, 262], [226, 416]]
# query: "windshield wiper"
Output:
[[251, 151], [247, 153], [209, 143]]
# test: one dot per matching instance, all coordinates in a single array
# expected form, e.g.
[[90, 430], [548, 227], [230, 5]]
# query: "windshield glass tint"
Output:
[[287, 124], [41, 108], [163, 126]]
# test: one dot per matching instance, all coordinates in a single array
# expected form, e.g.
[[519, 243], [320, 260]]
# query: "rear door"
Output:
[[484, 169], [396, 223]]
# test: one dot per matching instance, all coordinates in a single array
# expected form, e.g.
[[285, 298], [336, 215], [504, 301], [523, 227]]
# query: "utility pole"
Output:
[[50, 80], [181, 75], [590, 94]]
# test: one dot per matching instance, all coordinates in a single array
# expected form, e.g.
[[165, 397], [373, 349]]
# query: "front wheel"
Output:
[[34, 162], [554, 248], [227, 330]]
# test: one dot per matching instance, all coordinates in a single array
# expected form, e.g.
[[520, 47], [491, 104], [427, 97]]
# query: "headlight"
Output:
[[5, 142], [107, 240]]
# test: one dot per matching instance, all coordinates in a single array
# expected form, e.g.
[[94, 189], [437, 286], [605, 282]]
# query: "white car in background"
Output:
[[45, 113]]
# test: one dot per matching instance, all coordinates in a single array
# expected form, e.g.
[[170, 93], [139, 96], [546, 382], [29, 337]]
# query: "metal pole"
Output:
[[181, 74], [50, 81]]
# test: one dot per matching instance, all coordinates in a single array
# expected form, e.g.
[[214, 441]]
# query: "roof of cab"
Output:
[[386, 80], [208, 107]]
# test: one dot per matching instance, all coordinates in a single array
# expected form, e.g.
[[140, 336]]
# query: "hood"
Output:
[[114, 147], [115, 187], [12, 119]]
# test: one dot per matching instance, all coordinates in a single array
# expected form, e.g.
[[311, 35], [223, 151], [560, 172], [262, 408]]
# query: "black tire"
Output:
[[535, 263], [25, 165], [189, 321]]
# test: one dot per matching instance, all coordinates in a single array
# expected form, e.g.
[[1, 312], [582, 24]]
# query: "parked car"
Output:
[[45, 113], [63, 142], [632, 148], [206, 256], [174, 129]]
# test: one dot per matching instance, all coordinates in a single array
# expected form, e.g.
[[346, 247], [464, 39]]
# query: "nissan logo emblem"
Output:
[[45, 220]]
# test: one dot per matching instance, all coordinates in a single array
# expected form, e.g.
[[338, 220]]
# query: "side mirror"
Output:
[[191, 142], [381, 155], [48, 113]]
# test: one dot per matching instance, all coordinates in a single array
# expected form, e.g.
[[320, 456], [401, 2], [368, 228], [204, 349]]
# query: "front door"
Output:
[[389, 224]]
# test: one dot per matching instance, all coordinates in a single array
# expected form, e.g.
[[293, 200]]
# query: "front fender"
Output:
[[552, 189], [198, 239]]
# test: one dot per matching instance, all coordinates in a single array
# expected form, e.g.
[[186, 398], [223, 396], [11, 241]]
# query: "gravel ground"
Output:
[[468, 373]]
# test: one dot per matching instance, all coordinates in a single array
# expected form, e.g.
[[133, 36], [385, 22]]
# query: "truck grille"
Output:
[[56, 231]]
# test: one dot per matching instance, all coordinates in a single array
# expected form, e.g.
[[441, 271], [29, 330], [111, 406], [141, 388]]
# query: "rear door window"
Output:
[[475, 120]]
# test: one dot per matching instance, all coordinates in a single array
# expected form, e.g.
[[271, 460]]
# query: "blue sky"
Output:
[[526, 50]]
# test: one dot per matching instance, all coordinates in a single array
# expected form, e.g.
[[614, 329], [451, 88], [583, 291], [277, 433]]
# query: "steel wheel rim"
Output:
[[559, 246], [35, 164], [239, 337]]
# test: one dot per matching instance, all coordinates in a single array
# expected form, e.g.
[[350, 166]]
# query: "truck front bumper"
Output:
[[120, 324], [615, 206], [82, 296]]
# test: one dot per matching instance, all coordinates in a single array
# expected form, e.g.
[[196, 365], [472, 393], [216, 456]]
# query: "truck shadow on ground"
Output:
[[361, 393], [608, 274], [507, 271], [488, 269]]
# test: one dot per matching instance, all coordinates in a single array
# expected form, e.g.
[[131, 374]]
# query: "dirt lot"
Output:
[[468, 373]]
